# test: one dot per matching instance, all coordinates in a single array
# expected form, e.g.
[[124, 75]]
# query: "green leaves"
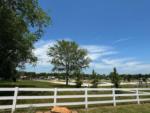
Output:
[[68, 57], [21, 25]]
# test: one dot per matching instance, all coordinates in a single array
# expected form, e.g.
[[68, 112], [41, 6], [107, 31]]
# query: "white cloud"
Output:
[[116, 62], [102, 57], [95, 51], [121, 40], [124, 65], [41, 47], [41, 51]]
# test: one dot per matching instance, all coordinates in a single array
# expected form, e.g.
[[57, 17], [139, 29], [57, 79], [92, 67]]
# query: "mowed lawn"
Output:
[[143, 108], [31, 83], [130, 108]]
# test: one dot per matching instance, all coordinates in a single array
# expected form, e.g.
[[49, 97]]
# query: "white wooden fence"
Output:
[[126, 92]]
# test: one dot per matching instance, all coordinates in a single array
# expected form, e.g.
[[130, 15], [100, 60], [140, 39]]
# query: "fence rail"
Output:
[[113, 94]]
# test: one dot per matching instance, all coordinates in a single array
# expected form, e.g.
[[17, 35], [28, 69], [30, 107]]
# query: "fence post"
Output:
[[137, 96], [86, 98], [55, 96], [114, 96], [15, 99]]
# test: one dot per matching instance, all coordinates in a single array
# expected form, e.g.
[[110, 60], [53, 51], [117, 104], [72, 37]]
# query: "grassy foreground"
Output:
[[134, 108], [143, 108]]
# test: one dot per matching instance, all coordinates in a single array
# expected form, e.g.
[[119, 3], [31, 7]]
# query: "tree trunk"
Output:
[[67, 74], [67, 79]]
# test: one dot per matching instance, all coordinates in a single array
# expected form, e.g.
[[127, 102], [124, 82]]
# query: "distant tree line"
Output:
[[123, 77], [94, 77]]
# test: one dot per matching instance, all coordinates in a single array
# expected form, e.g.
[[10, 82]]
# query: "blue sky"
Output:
[[115, 32]]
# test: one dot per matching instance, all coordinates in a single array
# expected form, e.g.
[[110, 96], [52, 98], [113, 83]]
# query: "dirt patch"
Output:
[[73, 111]]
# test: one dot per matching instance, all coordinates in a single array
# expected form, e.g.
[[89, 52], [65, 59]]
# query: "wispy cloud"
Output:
[[121, 40], [41, 51], [95, 51], [104, 58], [124, 65]]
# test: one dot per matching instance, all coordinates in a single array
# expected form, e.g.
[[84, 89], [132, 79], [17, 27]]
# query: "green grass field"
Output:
[[29, 83], [143, 108]]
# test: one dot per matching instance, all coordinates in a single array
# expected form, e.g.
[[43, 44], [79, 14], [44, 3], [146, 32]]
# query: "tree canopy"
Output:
[[21, 25], [68, 57]]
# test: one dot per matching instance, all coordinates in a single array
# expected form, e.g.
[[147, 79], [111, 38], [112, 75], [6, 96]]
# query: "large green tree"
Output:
[[21, 25], [68, 57]]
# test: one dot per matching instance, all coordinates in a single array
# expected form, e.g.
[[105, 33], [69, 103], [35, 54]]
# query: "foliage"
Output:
[[21, 25], [78, 79], [95, 79], [115, 78], [68, 57]]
